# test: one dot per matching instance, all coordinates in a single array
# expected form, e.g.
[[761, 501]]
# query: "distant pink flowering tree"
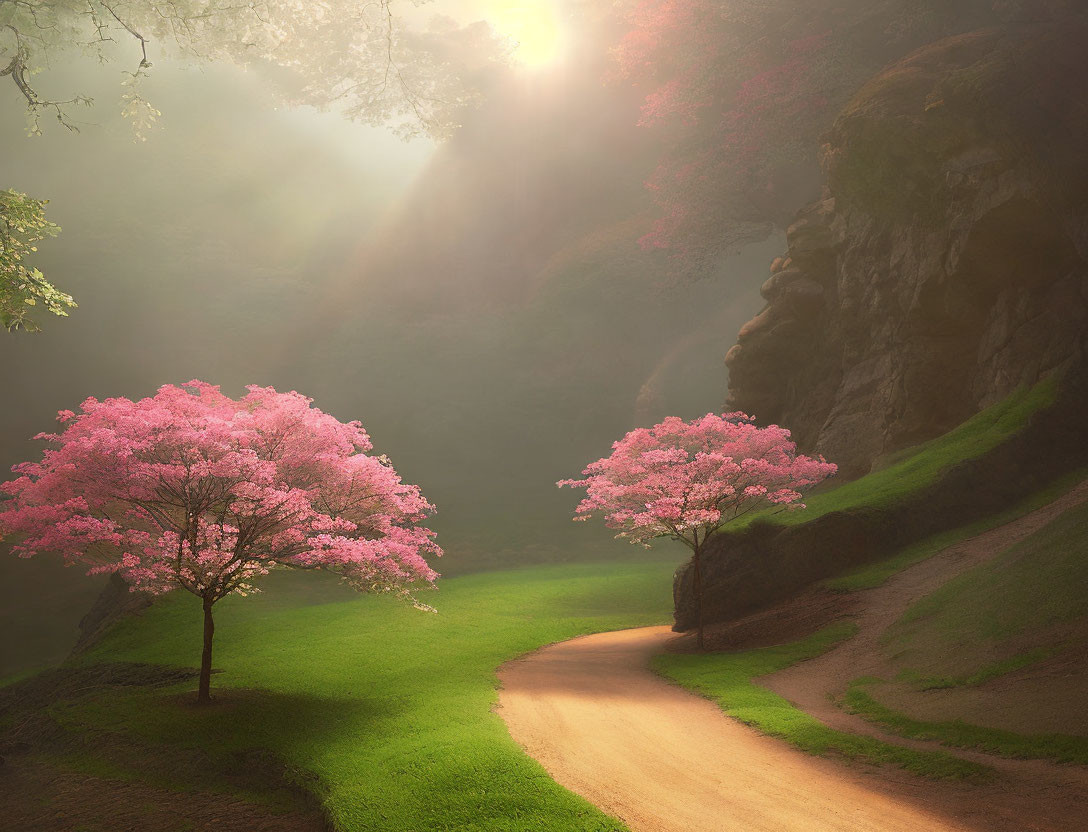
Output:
[[688, 480], [745, 89], [193, 489]]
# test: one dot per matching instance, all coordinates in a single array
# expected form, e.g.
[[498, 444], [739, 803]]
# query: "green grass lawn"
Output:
[[384, 711], [728, 679], [919, 467]]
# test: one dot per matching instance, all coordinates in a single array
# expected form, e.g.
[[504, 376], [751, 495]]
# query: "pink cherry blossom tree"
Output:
[[193, 489], [688, 480]]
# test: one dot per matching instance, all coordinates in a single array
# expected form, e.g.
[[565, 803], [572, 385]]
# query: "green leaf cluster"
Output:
[[24, 289]]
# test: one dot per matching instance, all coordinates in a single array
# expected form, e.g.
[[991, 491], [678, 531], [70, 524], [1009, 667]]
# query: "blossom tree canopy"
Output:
[[193, 489], [680, 478], [686, 480], [361, 58]]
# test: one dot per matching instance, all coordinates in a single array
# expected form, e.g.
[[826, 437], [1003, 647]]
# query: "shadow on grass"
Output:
[[140, 724]]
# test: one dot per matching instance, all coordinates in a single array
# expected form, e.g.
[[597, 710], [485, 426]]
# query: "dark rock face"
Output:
[[947, 263]]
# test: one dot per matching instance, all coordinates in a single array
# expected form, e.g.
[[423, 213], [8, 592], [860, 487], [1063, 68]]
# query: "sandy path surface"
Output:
[[664, 760]]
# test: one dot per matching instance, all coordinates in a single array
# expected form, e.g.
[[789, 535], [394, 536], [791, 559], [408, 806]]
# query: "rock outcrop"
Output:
[[947, 263]]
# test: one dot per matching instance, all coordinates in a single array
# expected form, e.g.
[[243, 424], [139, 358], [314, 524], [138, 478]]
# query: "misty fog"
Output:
[[481, 305]]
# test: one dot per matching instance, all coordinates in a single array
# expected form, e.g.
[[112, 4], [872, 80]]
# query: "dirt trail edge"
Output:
[[664, 760]]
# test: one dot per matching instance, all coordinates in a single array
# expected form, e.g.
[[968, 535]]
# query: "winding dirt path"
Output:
[[664, 760]]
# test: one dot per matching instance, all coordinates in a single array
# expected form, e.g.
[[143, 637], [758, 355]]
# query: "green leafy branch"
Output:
[[24, 289]]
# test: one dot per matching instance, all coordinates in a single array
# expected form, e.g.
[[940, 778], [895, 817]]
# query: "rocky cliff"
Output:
[[945, 264]]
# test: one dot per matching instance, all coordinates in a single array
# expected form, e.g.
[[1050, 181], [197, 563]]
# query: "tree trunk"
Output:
[[698, 587], [203, 695]]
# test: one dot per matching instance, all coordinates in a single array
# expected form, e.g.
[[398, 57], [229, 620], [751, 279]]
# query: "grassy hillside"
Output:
[[1023, 612], [384, 711], [1029, 587], [874, 574], [913, 469], [995, 657], [1062, 748]]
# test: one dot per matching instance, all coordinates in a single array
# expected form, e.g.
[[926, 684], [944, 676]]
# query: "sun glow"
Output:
[[536, 28]]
